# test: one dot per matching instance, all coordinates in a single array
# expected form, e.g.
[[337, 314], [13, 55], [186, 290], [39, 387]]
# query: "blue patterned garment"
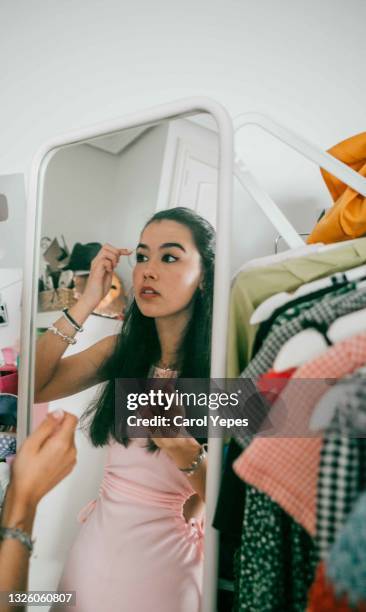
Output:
[[346, 564]]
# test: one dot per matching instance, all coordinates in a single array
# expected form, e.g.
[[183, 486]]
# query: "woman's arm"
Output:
[[183, 451], [14, 556], [44, 459], [77, 372], [50, 348], [56, 377], [182, 448]]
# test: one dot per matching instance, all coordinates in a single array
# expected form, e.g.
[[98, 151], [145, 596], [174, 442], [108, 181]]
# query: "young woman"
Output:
[[140, 545]]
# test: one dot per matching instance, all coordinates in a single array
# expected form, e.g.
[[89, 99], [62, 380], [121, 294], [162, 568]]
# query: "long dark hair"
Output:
[[138, 346]]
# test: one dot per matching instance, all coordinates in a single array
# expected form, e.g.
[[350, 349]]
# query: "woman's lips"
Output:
[[149, 295]]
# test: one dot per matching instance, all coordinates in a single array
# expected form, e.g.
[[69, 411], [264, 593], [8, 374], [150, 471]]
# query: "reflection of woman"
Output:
[[140, 547]]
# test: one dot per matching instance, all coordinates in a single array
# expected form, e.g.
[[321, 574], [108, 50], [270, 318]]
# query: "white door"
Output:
[[189, 173], [195, 181]]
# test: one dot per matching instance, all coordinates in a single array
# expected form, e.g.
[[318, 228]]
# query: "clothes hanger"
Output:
[[325, 409], [300, 251], [310, 343], [265, 310], [308, 150], [262, 262]]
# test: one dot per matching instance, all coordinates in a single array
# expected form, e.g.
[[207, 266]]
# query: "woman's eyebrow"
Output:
[[172, 244], [141, 245]]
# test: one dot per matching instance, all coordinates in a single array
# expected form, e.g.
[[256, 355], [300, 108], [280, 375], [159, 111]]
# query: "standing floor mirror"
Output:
[[98, 186]]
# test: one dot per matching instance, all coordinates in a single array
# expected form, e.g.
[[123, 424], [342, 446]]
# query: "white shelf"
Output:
[[45, 319]]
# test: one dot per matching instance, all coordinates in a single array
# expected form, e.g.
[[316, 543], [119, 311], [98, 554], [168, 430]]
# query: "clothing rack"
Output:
[[304, 147], [293, 239]]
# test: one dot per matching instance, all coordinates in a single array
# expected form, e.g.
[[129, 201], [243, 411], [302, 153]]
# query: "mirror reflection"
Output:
[[125, 290]]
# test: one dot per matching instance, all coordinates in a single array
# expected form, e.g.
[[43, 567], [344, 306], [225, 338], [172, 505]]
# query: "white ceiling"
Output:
[[116, 143]]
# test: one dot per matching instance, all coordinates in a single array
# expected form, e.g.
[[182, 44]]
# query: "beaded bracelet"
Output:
[[197, 462], [57, 332], [17, 534]]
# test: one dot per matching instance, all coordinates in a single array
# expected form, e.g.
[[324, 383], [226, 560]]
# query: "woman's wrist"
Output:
[[18, 510], [81, 310], [183, 451]]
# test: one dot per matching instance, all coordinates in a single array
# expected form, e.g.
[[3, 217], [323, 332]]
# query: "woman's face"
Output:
[[168, 262]]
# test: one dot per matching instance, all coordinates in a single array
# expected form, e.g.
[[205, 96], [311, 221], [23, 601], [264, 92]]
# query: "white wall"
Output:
[[12, 230], [78, 188], [67, 64]]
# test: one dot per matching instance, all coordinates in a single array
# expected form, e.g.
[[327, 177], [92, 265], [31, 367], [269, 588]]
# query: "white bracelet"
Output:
[[57, 332]]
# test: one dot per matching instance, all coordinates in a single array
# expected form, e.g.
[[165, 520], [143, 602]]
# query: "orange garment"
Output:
[[322, 597], [346, 219]]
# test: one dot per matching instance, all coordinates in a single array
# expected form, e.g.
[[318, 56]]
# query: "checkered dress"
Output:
[[252, 404], [326, 310], [350, 412], [286, 467]]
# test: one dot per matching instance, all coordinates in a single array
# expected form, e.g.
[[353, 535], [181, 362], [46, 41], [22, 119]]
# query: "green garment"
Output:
[[275, 565], [252, 287]]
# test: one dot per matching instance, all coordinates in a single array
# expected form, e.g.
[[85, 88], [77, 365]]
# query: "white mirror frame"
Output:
[[179, 108]]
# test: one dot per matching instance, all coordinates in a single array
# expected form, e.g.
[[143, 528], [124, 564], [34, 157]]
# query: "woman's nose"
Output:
[[150, 272]]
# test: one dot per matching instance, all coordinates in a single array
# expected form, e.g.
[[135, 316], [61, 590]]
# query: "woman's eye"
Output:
[[169, 255], [140, 257]]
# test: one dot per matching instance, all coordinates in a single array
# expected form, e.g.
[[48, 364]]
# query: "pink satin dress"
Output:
[[135, 551]]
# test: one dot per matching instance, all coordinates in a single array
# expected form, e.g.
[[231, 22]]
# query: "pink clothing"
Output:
[[135, 551], [286, 468]]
